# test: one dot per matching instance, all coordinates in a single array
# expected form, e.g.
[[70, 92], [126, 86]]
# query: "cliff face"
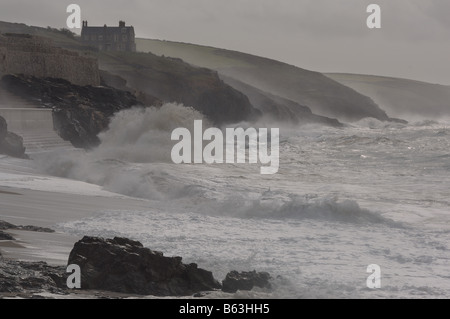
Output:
[[80, 113], [279, 108], [36, 56], [401, 97], [173, 80]]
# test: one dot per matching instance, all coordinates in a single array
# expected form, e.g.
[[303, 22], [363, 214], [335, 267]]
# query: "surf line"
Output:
[[237, 144]]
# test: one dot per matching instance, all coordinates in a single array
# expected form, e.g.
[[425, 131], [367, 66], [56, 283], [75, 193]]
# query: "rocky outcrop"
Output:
[[80, 112], [5, 236], [117, 82], [116, 268], [4, 226], [35, 229], [3, 128], [11, 144], [30, 277], [123, 265], [235, 281]]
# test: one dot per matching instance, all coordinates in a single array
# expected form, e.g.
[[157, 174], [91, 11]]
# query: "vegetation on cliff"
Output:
[[321, 94]]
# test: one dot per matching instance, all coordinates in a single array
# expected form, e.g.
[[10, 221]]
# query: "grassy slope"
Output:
[[58, 38], [401, 97], [323, 95], [204, 56]]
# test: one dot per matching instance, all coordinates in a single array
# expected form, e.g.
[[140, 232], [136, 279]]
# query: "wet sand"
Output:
[[45, 209]]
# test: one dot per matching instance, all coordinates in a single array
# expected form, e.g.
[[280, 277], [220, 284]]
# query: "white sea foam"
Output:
[[371, 192]]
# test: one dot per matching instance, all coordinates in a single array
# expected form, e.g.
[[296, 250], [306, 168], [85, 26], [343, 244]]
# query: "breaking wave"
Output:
[[134, 160], [300, 207], [142, 135], [134, 137]]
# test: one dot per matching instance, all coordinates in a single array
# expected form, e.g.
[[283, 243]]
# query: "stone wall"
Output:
[[36, 56], [2, 54]]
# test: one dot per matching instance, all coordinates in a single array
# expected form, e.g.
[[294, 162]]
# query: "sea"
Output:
[[368, 193]]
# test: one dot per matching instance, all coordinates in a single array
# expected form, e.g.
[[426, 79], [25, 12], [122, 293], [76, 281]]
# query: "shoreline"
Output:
[[30, 249], [46, 209]]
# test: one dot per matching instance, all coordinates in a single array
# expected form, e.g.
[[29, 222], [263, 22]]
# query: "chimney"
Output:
[[122, 24]]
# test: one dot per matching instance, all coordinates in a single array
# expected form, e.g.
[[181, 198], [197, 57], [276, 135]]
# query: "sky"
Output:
[[320, 35]]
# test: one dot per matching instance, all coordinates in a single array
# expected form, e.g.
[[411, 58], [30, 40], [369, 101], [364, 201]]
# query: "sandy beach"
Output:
[[45, 209]]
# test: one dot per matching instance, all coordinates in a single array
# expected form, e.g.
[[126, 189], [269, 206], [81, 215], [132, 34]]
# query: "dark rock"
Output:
[[109, 79], [10, 144], [123, 265], [80, 112], [5, 236], [35, 229], [117, 82], [3, 128], [235, 281], [399, 121], [4, 225], [29, 277]]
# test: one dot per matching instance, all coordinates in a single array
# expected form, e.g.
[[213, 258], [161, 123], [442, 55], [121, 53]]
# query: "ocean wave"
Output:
[[135, 137], [143, 135], [302, 207], [425, 123], [367, 140], [373, 123]]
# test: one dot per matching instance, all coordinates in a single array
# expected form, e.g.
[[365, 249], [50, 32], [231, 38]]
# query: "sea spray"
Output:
[[135, 137], [236, 147], [142, 135]]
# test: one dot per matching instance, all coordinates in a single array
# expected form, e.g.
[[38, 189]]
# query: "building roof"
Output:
[[107, 29]]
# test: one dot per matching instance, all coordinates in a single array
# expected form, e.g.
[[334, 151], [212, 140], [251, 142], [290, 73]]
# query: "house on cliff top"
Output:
[[121, 38]]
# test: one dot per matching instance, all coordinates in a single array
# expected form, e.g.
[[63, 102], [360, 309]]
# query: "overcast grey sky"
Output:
[[321, 35]]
